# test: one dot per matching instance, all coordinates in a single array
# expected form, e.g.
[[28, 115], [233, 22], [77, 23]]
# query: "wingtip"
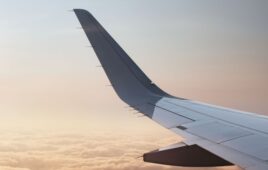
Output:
[[80, 10]]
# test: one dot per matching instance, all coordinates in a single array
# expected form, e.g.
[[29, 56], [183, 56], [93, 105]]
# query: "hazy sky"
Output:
[[213, 51]]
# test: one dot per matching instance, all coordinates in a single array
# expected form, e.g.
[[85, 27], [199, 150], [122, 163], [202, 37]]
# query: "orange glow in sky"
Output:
[[57, 112]]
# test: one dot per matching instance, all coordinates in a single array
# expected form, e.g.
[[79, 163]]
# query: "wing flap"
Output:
[[218, 132], [245, 120], [255, 145], [231, 154]]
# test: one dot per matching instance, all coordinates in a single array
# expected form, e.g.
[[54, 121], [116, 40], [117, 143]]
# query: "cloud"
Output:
[[92, 151], [10, 168]]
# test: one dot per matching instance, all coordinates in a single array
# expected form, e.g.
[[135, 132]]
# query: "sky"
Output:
[[57, 112]]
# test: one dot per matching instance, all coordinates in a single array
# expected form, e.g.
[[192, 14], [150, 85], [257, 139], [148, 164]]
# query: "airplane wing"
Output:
[[213, 136]]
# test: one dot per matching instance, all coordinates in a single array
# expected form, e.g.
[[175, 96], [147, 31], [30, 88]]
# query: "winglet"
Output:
[[128, 80]]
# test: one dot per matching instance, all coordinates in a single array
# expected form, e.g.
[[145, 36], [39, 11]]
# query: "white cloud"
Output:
[[40, 151]]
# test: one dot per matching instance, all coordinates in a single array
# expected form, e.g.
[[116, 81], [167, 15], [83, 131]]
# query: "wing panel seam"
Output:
[[241, 126]]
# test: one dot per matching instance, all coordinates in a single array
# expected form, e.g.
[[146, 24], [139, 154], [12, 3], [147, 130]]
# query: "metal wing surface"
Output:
[[213, 136]]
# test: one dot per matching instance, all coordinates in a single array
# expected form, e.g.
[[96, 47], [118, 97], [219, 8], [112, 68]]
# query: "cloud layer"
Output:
[[66, 151]]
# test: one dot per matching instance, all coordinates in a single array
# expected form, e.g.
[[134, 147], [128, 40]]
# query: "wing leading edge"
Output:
[[217, 136]]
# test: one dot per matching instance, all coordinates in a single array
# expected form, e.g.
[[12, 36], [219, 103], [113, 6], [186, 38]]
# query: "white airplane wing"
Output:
[[213, 136]]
